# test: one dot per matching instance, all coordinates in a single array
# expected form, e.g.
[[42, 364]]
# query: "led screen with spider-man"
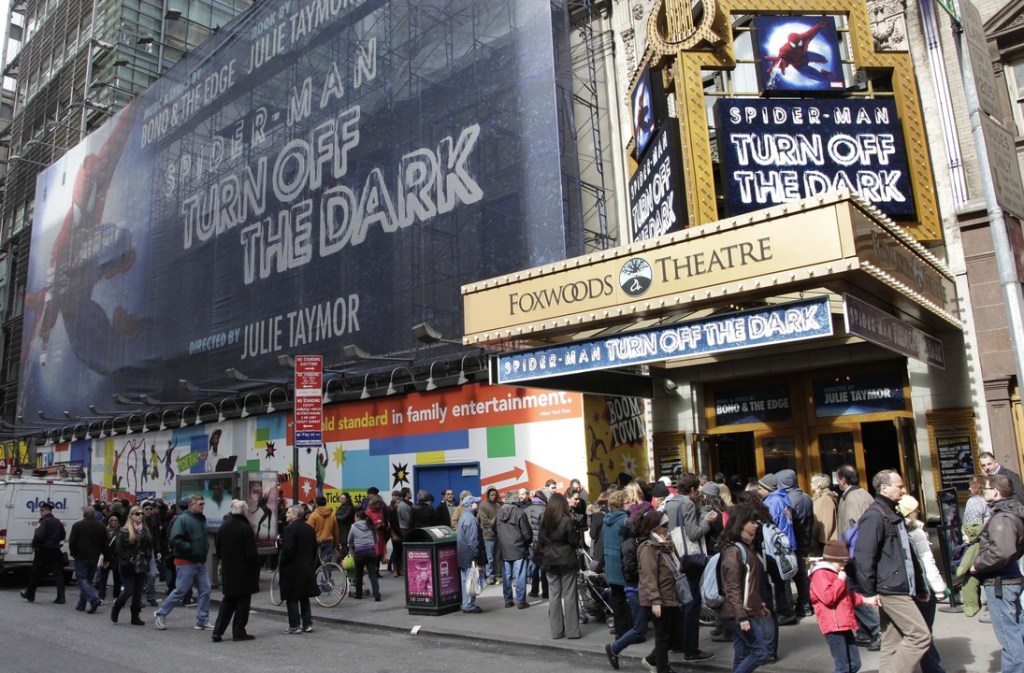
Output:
[[798, 53]]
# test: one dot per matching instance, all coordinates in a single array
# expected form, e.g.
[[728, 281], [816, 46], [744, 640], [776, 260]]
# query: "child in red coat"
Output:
[[833, 605]]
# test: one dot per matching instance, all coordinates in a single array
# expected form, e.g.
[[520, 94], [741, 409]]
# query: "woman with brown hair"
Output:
[[976, 509], [560, 541], [823, 527], [378, 519]]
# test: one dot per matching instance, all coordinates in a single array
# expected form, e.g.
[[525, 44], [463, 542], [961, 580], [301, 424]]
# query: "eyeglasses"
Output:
[[136, 513]]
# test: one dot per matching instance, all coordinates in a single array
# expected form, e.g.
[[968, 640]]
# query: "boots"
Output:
[[135, 619], [115, 610]]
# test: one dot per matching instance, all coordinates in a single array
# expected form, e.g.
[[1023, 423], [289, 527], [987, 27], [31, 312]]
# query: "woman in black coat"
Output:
[[240, 572], [299, 560]]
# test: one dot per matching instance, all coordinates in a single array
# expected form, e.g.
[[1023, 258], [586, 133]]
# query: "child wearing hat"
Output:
[[833, 605]]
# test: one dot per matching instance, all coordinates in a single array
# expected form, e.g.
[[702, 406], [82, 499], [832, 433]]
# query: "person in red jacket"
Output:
[[833, 605]]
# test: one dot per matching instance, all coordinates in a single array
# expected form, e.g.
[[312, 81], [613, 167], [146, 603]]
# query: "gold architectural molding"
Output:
[[707, 44]]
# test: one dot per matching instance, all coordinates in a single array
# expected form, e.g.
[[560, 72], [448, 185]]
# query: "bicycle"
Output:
[[332, 580]]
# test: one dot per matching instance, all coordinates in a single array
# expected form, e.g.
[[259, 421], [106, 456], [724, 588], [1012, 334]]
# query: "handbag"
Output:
[[473, 585], [691, 563], [683, 592]]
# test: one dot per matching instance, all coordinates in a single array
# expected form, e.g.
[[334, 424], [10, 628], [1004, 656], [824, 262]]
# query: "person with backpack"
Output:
[[891, 577], [769, 569], [634, 530], [853, 502], [781, 508], [742, 609], [803, 527]]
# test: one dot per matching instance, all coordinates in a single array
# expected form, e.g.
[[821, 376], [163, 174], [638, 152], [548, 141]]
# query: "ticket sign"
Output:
[[309, 404]]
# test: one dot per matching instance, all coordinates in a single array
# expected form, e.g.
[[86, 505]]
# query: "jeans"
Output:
[[691, 619], [1006, 622], [151, 580], [84, 571], [749, 648], [187, 575], [298, 609], [468, 602], [368, 562], [513, 573], [639, 629], [869, 623], [802, 583], [564, 606], [538, 578], [134, 585], [770, 633], [489, 548], [930, 662], [665, 628], [845, 657], [114, 574]]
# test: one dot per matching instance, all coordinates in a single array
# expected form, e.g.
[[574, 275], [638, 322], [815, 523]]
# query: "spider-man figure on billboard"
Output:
[[798, 53]]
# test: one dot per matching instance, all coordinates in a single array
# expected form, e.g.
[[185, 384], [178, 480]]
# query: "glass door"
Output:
[[779, 451], [837, 446]]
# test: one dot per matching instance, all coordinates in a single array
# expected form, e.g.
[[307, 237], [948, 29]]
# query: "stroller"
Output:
[[593, 593]]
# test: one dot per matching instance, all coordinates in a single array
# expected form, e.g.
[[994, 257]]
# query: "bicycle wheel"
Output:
[[333, 584], [275, 588]]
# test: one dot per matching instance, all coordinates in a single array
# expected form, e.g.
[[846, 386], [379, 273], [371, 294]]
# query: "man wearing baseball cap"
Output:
[[47, 559]]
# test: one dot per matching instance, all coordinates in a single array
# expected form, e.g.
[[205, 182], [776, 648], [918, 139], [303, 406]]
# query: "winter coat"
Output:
[[560, 546], [970, 591], [781, 508], [1001, 542], [379, 522], [611, 539], [923, 547], [325, 525], [833, 602], [852, 504], [630, 565], [880, 558], [88, 539], [188, 539], [345, 515], [49, 533], [239, 556], [486, 514], [423, 515], [133, 557], [470, 542], [299, 560], [404, 511], [534, 511], [683, 513], [513, 532], [657, 581], [741, 583], [803, 510], [824, 528]]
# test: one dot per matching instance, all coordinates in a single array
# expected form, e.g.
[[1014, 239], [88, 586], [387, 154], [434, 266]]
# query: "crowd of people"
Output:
[[861, 564]]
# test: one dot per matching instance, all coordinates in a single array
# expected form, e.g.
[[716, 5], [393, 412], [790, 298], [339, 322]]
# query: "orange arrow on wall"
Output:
[[535, 477], [504, 476]]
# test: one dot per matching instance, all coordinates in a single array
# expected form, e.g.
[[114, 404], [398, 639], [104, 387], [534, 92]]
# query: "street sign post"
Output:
[[308, 412]]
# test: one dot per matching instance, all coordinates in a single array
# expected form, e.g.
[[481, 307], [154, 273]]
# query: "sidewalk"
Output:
[[965, 645]]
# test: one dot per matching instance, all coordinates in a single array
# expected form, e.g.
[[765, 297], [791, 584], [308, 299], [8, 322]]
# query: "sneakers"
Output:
[[699, 655], [876, 644], [613, 658], [158, 620], [648, 665], [523, 605], [204, 627], [490, 580], [292, 631], [307, 629]]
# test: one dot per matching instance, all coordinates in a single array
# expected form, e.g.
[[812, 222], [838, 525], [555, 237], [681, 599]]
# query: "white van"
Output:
[[21, 494]]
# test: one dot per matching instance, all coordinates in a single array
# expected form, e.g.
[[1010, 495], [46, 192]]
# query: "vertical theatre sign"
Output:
[[655, 190]]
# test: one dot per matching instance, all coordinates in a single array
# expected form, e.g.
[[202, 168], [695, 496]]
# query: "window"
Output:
[[1015, 81]]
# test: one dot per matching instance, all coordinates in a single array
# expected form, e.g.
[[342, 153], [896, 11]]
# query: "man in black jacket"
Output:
[[891, 577], [996, 566], [514, 537], [87, 542], [990, 466], [240, 572], [46, 543]]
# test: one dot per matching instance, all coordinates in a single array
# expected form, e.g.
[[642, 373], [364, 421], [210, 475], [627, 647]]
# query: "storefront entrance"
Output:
[[811, 422]]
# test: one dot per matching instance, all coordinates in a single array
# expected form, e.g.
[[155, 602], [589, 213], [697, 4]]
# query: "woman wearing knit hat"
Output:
[[909, 509], [833, 605]]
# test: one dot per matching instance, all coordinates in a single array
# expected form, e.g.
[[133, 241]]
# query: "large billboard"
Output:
[[320, 173]]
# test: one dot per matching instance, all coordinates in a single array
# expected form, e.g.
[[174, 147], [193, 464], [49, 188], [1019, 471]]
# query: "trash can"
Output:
[[432, 579]]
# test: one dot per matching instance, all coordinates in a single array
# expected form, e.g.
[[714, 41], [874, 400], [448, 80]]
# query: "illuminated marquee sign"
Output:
[[775, 151], [749, 329], [656, 203]]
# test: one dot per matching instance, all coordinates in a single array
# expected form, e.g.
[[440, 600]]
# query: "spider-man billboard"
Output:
[[317, 174], [798, 54]]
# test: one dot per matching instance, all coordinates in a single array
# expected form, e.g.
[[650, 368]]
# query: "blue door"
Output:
[[438, 478]]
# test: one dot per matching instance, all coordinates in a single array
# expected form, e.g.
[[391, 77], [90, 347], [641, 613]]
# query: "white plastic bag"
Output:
[[473, 584]]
